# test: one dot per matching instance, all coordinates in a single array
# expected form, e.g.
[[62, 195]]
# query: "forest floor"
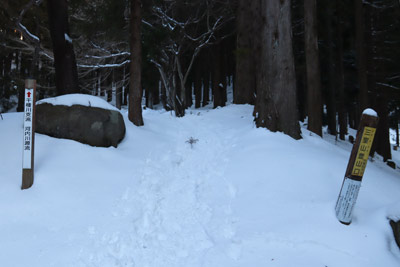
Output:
[[208, 189]]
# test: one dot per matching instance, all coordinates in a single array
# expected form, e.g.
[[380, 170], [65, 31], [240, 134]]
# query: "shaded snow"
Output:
[[240, 196]]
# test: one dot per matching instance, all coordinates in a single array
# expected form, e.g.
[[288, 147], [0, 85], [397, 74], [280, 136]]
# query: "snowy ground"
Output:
[[238, 196]]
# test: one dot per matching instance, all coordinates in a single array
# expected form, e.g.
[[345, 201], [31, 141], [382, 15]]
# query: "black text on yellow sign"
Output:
[[363, 151]]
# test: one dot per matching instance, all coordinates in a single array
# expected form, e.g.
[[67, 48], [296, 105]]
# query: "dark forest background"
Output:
[[321, 61]]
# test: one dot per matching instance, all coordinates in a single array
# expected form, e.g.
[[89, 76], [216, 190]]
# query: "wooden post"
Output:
[[28, 134], [356, 166]]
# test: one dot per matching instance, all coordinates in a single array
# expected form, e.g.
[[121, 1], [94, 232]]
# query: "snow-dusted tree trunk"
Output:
[[276, 102], [64, 56]]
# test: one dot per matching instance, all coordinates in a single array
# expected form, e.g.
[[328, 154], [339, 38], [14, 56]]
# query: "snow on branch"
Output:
[[208, 34], [105, 65], [26, 32], [147, 23], [395, 77], [109, 56], [378, 5], [171, 22], [388, 85]]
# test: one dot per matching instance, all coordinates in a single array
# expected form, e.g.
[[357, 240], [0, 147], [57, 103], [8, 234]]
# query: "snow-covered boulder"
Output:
[[83, 118]]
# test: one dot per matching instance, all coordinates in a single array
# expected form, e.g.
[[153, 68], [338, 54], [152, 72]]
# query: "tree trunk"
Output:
[[149, 96], [377, 70], [109, 86], [247, 51], [382, 145], [156, 96], [118, 88], [64, 56], [135, 87], [125, 88], [276, 102], [164, 97], [216, 81], [21, 85], [179, 107], [314, 99], [33, 70], [206, 88], [397, 133], [332, 63], [181, 87], [7, 72], [224, 70], [361, 56], [188, 94], [206, 78], [340, 74], [197, 85]]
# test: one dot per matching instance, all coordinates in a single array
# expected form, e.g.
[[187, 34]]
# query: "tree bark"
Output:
[[156, 96], [377, 70], [197, 84], [64, 56], [361, 55], [332, 68], [276, 102], [149, 96], [135, 87], [216, 81], [109, 86], [179, 107], [206, 87], [118, 88], [382, 145], [340, 74], [314, 99], [125, 89], [163, 97], [397, 133], [247, 50], [223, 73]]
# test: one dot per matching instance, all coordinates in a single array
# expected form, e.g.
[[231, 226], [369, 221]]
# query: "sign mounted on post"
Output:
[[356, 166], [28, 134]]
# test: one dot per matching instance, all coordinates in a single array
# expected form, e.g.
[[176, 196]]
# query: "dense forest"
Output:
[[320, 62]]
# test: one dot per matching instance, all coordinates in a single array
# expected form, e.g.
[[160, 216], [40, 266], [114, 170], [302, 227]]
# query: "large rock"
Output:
[[89, 125]]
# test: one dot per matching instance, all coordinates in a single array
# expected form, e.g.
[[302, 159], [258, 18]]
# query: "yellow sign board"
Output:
[[363, 151]]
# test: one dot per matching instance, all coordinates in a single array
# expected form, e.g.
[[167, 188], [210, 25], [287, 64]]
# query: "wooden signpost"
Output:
[[356, 166], [28, 144]]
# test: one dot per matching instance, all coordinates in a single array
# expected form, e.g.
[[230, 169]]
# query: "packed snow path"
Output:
[[177, 212], [237, 196]]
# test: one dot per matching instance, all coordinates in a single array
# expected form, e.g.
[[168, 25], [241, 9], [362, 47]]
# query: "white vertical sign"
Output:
[[27, 134], [347, 199]]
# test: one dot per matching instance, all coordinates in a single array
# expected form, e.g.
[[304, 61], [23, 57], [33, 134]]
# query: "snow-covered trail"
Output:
[[178, 205], [238, 196]]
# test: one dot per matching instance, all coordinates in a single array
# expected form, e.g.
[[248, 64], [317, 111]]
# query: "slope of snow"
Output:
[[236, 196]]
